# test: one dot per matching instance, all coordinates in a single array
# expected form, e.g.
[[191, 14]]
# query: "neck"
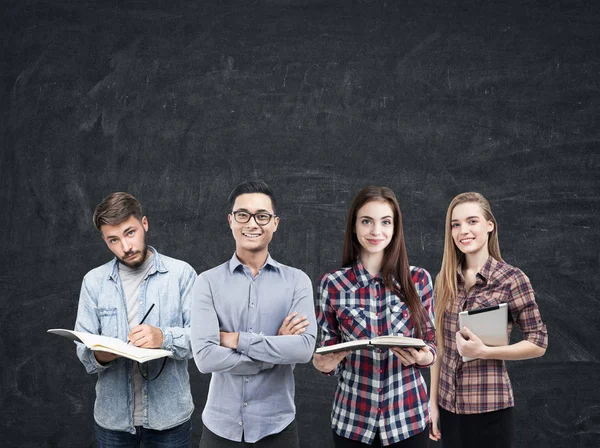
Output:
[[474, 262], [372, 262], [254, 260]]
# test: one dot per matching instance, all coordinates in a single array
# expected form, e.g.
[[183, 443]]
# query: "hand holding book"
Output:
[[410, 356], [327, 363], [373, 343]]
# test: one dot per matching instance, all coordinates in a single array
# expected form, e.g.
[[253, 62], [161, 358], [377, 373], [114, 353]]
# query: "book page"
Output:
[[113, 345]]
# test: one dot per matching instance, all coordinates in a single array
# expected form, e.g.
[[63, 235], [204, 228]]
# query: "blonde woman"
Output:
[[471, 402]]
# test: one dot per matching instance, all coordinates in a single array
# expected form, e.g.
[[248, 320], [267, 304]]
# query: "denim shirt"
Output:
[[166, 401]]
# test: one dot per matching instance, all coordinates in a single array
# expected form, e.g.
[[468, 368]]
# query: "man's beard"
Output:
[[136, 264]]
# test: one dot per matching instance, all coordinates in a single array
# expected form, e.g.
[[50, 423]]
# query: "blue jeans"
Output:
[[176, 437]]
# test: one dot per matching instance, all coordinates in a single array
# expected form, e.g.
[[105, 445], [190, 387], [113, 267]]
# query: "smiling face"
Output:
[[374, 227], [470, 229], [127, 240], [251, 237]]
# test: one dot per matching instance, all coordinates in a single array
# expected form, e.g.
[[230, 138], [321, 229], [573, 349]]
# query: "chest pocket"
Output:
[[353, 323], [399, 318], [108, 322]]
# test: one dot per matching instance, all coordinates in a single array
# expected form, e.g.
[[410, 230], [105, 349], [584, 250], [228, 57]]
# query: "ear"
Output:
[[275, 223], [490, 226], [229, 217], [145, 223]]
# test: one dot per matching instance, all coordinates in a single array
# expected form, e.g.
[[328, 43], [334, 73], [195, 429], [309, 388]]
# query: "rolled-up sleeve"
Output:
[[425, 291], [525, 311]]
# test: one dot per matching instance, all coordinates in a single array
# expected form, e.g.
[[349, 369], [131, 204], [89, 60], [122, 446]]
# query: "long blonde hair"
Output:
[[446, 287]]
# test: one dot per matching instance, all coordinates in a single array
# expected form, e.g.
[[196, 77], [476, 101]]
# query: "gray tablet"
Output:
[[490, 324]]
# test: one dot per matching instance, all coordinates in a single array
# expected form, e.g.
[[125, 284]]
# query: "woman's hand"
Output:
[[434, 421], [328, 362], [410, 356], [469, 345]]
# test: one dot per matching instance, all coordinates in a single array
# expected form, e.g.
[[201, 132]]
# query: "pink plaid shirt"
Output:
[[483, 385]]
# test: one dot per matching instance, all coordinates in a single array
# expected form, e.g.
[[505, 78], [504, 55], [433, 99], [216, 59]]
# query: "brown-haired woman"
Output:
[[473, 400], [381, 397]]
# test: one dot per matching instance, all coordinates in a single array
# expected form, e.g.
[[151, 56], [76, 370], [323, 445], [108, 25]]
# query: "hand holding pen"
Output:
[[144, 335]]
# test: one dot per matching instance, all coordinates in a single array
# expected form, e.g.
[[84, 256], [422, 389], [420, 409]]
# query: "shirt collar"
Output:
[[362, 275], [235, 263], [158, 265], [486, 270]]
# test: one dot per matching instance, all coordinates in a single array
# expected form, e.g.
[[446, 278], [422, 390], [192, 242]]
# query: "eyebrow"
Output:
[[383, 217], [262, 210], [468, 217]]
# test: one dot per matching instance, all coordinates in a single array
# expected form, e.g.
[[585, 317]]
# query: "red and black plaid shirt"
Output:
[[482, 385], [375, 391]]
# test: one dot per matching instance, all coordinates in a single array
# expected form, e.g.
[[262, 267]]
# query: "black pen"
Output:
[[144, 318]]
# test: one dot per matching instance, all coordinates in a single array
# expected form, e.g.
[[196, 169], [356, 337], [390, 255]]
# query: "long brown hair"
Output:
[[446, 287], [395, 260]]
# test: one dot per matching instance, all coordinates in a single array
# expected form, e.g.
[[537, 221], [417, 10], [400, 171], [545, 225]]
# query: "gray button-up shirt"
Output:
[[252, 388]]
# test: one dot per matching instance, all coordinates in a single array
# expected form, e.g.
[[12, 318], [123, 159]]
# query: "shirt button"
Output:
[[247, 379], [240, 423], [380, 370], [379, 390], [245, 405]]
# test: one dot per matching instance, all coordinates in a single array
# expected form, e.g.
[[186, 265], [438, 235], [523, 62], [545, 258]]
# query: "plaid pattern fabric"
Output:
[[375, 391], [483, 385]]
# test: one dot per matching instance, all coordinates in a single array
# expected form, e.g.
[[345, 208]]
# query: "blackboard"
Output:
[[176, 102]]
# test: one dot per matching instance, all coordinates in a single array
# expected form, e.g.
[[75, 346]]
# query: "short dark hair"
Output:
[[116, 208], [252, 186]]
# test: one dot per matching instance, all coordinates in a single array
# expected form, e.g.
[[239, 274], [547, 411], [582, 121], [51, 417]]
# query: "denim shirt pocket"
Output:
[[108, 322], [399, 318], [353, 323]]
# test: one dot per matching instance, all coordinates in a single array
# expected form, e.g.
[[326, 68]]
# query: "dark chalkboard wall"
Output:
[[178, 101]]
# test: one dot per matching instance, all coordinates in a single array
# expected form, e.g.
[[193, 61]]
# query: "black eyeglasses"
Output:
[[261, 218]]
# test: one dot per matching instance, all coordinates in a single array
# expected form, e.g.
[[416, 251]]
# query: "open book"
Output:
[[378, 342], [112, 345]]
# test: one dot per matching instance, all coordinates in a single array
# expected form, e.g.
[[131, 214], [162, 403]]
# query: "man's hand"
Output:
[[229, 340], [469, 345], [104, 357], [410, 356], [146, 336], [293, 325], [328, 362]]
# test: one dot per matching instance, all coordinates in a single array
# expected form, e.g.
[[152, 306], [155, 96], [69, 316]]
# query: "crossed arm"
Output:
[[243, 353]]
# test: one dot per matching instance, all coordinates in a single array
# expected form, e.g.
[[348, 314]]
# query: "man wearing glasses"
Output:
[[252, 321]]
